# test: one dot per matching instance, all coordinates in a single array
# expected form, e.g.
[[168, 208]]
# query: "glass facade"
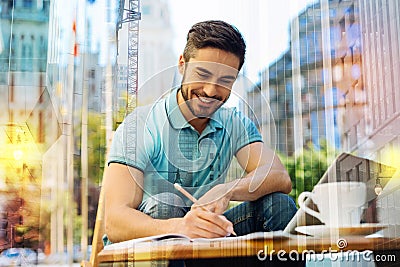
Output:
[[335, 89]]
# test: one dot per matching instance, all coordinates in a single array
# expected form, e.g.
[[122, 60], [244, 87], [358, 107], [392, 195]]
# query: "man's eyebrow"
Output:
[[229, 77], [204, 70], [233, 77]]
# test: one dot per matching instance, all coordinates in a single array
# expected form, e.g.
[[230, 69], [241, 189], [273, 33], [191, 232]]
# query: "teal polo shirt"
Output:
[[158, 140]]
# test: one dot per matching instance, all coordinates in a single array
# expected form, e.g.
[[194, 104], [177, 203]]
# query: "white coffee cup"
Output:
[[339, 203]]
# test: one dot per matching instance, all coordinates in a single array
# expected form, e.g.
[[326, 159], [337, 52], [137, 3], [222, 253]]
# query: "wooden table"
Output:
[[172, 250]]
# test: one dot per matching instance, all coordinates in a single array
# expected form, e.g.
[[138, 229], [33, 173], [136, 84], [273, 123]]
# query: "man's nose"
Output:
[[210, 89]]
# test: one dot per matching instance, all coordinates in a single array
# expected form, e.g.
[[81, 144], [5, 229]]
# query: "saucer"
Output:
[[324, 230]]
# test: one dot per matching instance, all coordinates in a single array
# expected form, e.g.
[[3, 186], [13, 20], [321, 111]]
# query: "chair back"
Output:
[[99, 231]]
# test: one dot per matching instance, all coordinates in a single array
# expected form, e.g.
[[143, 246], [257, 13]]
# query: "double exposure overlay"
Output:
[[71, 70]]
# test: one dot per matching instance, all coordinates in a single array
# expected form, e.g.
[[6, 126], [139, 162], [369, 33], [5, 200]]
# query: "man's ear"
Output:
[[181, 65]]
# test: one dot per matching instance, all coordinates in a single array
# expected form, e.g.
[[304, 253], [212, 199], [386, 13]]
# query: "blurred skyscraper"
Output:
[[338, 82], [301, 86], [49, 60], [24, 29], [25, 118]]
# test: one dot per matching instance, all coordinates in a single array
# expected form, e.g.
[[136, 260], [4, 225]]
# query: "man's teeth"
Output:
[[205, 99]]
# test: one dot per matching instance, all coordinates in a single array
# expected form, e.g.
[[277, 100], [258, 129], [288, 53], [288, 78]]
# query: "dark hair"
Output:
[[216, 34]]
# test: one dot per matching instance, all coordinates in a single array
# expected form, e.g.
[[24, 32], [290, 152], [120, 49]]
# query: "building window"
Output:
[[28, 3], [11, 90], [342, 25], [41, 128], [42, 53], [10, 4], [13, 47], [351, 15]]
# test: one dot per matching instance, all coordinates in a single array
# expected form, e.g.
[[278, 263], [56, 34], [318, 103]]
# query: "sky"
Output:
[[263, 23]]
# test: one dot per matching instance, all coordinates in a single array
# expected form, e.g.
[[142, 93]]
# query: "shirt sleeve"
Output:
[[132, 143], [246, 131]]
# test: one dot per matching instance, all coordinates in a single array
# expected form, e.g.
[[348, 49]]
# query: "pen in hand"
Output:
[[186, 193], [193, 199]]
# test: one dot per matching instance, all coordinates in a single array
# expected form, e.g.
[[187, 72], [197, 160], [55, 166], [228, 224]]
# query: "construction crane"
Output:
[[131, 16]]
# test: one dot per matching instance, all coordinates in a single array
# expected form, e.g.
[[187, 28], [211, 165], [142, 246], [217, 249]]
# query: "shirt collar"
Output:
[[175, 115], [178, 121]]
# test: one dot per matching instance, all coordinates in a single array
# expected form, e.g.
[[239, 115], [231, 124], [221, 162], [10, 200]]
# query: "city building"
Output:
[[338, 82], [300, 86], [80, 82], [368, 59], [23, 120], [52, 79]]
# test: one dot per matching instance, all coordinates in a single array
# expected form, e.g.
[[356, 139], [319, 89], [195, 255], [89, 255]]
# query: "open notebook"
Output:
[[183, 239], [347, 167]]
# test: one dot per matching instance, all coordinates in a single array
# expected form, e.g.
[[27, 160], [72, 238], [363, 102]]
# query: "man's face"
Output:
[[207, 81]]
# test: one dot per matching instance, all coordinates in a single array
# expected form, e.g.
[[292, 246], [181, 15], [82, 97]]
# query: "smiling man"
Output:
[[190, 138]]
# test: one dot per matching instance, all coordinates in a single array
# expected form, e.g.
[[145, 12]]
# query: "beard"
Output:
[[198, 108]]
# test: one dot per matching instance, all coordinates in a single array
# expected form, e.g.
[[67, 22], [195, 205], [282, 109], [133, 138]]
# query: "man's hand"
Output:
[[216, 200], [199, 222]]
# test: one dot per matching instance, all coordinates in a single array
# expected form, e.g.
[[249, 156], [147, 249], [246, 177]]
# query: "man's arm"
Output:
[[123, 194], [265, 174]]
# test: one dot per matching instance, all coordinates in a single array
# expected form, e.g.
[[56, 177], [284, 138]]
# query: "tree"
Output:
[[306, 168], [96, 161]]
